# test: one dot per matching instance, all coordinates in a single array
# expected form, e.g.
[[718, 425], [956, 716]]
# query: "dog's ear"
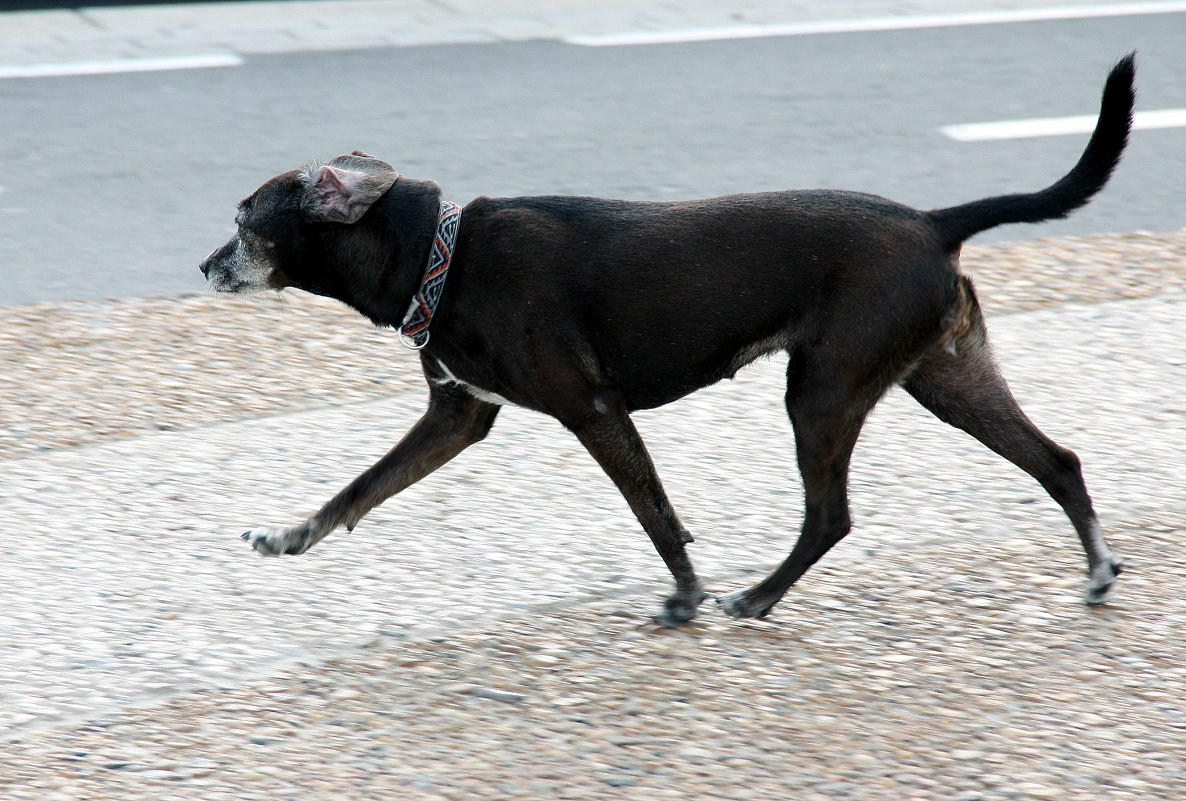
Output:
[[343, 190]]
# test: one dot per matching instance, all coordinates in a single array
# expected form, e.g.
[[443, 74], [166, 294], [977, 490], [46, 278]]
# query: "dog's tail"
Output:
[[1073, 190]]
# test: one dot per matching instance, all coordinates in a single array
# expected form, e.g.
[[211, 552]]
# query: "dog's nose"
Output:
[[206, 262]]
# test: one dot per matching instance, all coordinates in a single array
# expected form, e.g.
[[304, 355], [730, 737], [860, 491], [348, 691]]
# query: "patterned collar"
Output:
[[413, 332]]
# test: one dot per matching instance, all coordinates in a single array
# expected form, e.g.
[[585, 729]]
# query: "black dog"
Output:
[[588, 309]]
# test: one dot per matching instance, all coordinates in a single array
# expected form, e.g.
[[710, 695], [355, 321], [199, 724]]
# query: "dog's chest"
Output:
[[449, 379]]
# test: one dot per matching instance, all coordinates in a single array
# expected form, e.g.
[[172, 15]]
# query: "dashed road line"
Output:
[[203, 61], [1057, 126]]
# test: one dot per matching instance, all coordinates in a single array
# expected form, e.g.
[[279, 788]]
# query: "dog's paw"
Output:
[[681, 607], [277, 541], [743, 604], [1102, 582]]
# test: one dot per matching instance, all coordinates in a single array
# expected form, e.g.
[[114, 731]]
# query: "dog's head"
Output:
[[319, 229]]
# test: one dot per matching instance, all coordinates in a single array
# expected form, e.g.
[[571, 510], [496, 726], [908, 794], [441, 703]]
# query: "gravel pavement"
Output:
[[488, 632]]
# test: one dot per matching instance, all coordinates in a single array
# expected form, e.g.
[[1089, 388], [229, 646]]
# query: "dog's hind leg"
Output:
[[454, 421], [960, 383], [826, 431], [611, 438]]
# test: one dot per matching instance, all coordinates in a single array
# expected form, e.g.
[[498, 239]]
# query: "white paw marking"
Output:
[[271, 541], [732, 604], [1102, 583], [1103, 575]]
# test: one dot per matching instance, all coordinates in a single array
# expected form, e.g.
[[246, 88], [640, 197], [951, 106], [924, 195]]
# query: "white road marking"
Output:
[[1057, 126], [875, 24], [121, 65]]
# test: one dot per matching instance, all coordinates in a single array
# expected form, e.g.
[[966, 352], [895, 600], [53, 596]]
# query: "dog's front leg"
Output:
[[454, 421], [612, 439]]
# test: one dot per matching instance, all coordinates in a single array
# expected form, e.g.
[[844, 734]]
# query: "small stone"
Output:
[[491, 694]]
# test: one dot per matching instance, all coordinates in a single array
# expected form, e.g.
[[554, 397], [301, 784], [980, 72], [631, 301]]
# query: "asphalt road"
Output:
[[118, 185]]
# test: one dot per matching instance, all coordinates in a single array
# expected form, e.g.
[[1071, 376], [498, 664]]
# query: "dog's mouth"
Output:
[[235, 285], [228, 282], [233, 270], [224, 287]]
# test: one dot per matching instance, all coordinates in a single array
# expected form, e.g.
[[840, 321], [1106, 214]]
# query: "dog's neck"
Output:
[[413, 331]]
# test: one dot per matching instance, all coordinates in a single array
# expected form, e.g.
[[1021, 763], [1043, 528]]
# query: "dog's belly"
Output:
[[659, 385]]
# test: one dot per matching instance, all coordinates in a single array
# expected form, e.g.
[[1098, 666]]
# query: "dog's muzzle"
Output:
[[237, 268]]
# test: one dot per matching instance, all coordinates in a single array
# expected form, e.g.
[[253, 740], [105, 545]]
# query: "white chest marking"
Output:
[[481, 394]]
